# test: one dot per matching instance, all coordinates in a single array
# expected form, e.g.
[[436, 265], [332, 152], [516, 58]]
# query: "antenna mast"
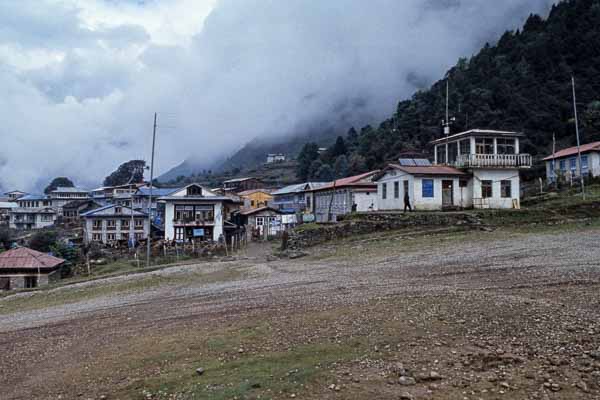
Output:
[[577, 133]]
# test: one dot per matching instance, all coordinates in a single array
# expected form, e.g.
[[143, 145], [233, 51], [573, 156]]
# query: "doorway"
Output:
[[447, 193]]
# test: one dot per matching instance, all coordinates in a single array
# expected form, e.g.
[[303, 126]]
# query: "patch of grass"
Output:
[[68, 295]]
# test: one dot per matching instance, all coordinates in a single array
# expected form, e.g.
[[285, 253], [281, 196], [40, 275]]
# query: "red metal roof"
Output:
[[428, 170], [24, 258], [351, 181], [584, 148]]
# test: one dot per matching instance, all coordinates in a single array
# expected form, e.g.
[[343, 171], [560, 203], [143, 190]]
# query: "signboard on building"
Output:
[[308, 218], [198, 232]]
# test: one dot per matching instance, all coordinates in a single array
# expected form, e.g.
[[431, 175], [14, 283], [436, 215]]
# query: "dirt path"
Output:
[[498, 284]]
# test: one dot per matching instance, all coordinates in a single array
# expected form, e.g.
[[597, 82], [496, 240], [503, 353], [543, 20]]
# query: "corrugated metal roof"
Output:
[[65, 189], [299, 187], [25, 258], [251, 191], [34, 197], [429, 170], [354, 181], [103, 212], [156, 192], [585, 148], [8, 204]]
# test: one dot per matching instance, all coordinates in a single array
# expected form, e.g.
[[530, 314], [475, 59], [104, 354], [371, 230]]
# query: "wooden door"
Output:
[[447, 192]]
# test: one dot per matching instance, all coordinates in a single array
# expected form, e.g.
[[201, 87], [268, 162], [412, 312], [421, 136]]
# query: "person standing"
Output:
[[407, 201]]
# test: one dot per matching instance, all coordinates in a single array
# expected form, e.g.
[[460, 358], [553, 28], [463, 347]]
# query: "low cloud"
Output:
[[82, 79]]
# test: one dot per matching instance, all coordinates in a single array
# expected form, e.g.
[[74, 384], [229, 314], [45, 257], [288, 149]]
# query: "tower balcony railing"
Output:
[[493, 161]]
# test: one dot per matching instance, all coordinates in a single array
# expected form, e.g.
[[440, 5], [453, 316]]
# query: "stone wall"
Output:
[[362, 223]]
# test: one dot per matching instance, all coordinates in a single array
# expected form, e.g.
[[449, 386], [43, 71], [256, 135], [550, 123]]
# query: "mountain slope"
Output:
[[522, 83]]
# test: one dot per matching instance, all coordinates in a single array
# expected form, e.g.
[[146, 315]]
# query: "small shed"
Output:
[[262, 222], [26, 268]]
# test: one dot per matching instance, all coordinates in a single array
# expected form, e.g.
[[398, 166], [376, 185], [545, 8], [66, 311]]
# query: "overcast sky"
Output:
[[81, 79]]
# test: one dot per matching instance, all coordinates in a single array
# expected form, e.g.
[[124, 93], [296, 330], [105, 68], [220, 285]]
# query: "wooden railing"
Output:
[[493, 160]]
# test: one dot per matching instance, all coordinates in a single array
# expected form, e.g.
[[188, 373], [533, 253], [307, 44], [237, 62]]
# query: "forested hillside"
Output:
[[522, 83]]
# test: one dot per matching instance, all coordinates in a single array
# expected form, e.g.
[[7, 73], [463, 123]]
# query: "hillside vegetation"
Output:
[[522, 83]]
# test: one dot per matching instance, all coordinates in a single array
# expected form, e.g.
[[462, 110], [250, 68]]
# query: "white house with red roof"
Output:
[[565, 163], [492, 158], [342, 196], [417, 184], [26, 268]]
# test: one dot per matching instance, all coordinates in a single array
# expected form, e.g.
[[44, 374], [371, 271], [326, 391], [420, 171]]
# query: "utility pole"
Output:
[[577, 133], [150, 195]]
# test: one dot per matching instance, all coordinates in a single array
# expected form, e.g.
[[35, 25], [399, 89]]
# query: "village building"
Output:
[[240, 184], [113, 223], [565, 163], [24, 268], [73, 210], [256, 198], [295, 198], [32, 218], [5, 208], [423, 186], [492, 159], [275, 158], [262, 223], [196, 213], [14, 195], [343, 196], [62, 195], [34, 201]]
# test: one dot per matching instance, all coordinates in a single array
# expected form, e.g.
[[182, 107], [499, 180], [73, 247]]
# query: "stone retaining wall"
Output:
[[362, 223]]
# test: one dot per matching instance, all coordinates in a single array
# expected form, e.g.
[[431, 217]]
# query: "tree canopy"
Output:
[[60, 181], [129, 172]]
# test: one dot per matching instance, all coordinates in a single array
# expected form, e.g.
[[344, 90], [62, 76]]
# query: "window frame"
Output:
[[384, 191], [427, 190], [504, 185], [485, 185], [396, 189]]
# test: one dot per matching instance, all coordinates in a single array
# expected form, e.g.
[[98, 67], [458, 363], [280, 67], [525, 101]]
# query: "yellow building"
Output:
[[256, 198]]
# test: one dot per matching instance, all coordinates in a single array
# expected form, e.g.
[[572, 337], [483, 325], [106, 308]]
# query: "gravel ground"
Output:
[[503, 275]]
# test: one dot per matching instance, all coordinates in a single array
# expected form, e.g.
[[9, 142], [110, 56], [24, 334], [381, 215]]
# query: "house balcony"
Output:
[[493, 161], [193, 222]]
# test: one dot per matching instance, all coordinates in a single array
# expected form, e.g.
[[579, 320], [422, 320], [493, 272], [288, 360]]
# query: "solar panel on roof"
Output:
[[407, 162], [422, 162]]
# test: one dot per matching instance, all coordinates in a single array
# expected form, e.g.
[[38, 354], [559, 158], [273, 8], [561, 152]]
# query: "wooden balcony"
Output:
[[493, 161], [193, 222]]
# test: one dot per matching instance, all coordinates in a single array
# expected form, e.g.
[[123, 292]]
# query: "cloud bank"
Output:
[[81, 79]]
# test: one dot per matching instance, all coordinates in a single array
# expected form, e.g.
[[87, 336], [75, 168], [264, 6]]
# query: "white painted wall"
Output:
[[593, 165], [496, 175], [365, 201], [170, 215], [462, 197]]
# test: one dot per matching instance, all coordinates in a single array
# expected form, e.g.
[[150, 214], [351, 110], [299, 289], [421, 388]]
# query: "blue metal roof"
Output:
[[33, 197], [156, 192]]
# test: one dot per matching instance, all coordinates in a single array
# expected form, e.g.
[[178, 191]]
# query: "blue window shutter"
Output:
[[427, 185]]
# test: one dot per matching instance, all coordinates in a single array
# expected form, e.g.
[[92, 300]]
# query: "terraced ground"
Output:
[[508, 314]]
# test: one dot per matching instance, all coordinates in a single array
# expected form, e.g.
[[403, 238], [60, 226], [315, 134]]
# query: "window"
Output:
[[111, 237], [384, 191], [111, 224], [506, 189], [573, 165], [584, 165], [308, 202], [396, 190], [441, 154], [506, 146], [486, 189], [462, 183], [194, 191], [260, 221], [139, 223], [179, 233], [563, 166], [97, 224], [118, 210], [251, 203], [124, 224], [465, 146], [484, 146], [427, 188], [30, 282], [452, 152]]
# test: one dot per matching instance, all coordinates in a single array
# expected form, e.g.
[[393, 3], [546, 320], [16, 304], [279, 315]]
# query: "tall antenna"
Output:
[[577, 133], [150, 196], [447, 121]]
